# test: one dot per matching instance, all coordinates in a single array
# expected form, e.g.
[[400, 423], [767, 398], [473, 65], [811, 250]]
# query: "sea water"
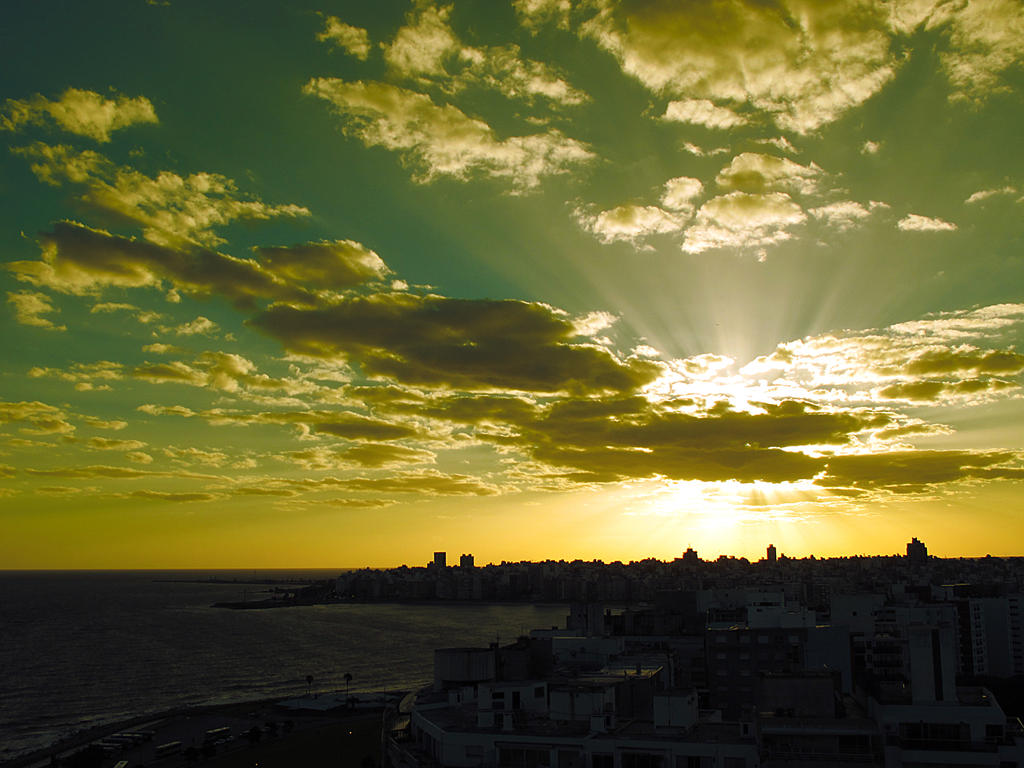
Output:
[[78, 649]]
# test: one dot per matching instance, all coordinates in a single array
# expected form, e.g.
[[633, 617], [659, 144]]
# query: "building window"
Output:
[[602, 761], [538, 692]]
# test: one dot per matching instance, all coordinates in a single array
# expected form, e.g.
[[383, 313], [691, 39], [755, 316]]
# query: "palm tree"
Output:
[[348, 679]]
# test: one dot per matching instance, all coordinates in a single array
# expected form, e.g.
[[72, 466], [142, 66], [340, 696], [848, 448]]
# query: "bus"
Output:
[[170, 748], [215, 735]]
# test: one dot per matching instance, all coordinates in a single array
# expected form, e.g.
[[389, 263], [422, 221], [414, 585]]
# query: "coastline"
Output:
[[315, 728]]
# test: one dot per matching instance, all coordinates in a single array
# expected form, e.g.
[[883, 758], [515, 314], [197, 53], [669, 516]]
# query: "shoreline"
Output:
[[239, 605], [257, 710]]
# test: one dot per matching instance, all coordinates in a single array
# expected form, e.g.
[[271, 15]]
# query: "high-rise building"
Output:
[[465, 561], [440, 560], [772, 555], [917, 552], [690, 555]]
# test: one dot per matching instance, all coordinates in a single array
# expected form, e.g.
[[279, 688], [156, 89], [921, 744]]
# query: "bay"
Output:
[[78, 649]]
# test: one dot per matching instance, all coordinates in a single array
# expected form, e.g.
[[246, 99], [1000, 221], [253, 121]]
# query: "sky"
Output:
[[341, 284]]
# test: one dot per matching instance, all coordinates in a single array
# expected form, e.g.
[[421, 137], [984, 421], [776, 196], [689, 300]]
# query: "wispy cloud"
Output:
[[81, 112], [914, 222], [30, 308], [442, 140]]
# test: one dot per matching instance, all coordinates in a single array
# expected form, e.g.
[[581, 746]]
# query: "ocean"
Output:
[[79, 649]]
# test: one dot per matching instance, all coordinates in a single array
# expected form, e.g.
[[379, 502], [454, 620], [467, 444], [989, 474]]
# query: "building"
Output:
[[772, 555], [440, 560], [465, 561], [616, 710], [917, 552]]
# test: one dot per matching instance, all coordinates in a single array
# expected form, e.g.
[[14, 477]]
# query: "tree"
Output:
[[348, 679], [309, 684]]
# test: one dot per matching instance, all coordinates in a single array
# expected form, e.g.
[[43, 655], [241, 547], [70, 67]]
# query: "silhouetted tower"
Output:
[[772, 555], [465, 561], [690, 556], [917, 552], [440, 560]]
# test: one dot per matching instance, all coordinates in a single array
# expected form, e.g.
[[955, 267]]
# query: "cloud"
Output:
[[192, 455], [85, 113], [965, 359], [143, 316], [934, 391], [914, 223], [353, 426], [630, 222], [420, 47], [29, 308], [842, 215], [96, 470], [360, 503], [84, 375], [426, 482], [455, 343], [981, 323], [186, 497], [680, 193], [366, 455], [333, 266], [923, 360], [249, 490], [115, 425], [914, 471], [443, 140], [503, 69], [37, 418], [343, 424], [984, 41], [535, 13], [693, 149], [803, 64], [743, 220], [80, 260], [166, 410], [355, 41], [635, 438], [985, 194], [109, 444], [177, 372], [232, 373], [870, 147], [758, 173], [703, 112], [201, 326], [427, 51], [172, 210], [780, 143], [159, 348]]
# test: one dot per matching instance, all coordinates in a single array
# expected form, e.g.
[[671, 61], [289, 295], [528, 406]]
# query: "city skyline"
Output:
[[340, 284]]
